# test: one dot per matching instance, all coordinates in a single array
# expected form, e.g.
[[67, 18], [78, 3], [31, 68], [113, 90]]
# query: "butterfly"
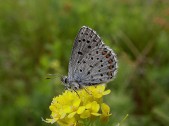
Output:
[[91, 62]]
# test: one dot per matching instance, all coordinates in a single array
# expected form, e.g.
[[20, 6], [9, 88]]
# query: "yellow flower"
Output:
[[71, 108], [105, 112], [90, 109]]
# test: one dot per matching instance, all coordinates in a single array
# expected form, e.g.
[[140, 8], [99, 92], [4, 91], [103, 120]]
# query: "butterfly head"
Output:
[[66, 82], [69, 84], [64, 79]]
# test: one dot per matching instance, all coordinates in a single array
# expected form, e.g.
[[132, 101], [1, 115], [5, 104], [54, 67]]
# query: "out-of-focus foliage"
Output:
[[36, 37]]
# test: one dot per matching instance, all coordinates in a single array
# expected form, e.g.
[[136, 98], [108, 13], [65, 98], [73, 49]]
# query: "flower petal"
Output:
[[71, 114], [95, 107], [105, 108], [88, 106], [67, 109], [101, 87], [50, 120], [76, 103], [67, 122], [106, 92], [85, 114], [81, 110], [62, 115], [98, 95], [96, 114], [52, 108], [105, 112]]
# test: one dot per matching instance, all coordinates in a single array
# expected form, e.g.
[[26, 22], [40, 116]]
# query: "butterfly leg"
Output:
[[76, 93], [83, 87]]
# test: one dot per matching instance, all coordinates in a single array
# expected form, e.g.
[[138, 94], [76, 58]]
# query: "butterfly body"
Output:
[[91, 62], [70, 84]]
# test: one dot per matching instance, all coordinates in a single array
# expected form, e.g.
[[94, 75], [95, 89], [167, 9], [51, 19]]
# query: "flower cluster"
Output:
[[72, 108]]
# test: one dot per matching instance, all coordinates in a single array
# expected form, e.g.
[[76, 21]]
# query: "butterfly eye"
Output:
[[66, 80]]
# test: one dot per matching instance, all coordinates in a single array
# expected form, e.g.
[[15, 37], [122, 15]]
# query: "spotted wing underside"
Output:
[[91, 61]]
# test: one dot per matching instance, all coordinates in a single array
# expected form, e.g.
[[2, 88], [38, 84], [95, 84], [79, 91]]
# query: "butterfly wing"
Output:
[[85, 41], [99, 67], [91, 62]]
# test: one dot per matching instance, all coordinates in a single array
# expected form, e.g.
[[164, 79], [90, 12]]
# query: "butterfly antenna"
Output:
[[87, 90], [76, 93], [52, 76]]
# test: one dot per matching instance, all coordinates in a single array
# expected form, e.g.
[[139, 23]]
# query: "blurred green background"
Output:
[[36, 38]]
